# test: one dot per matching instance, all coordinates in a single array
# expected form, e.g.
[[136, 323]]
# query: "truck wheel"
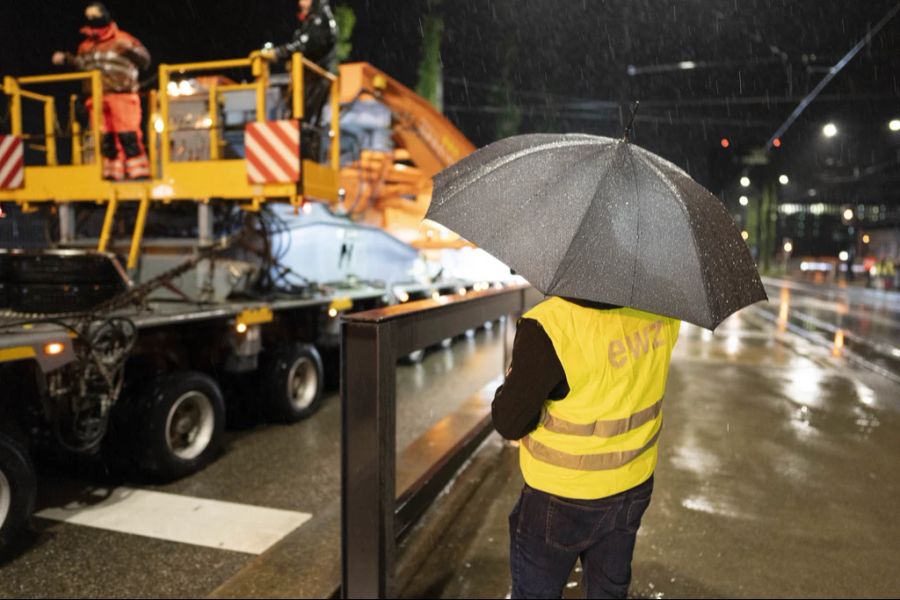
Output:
[[182, 422], [293, 380], [18, 486]]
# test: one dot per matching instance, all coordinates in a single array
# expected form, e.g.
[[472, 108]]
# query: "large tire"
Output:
[[180, 425], [18, 486], [293, 381]]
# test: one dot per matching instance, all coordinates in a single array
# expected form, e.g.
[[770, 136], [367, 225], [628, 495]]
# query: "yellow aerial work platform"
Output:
[[199, 180]]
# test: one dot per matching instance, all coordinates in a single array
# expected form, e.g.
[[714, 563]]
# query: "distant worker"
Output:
[[119, 57], [584, 376], [316, 38]]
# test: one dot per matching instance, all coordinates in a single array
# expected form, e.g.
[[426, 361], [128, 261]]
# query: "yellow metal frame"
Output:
[[169, 180], [340, 304], [16, 353], [255, 316], [13, 87]]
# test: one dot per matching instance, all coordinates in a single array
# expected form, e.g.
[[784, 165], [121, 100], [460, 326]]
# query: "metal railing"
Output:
[[14, 88], [82, 180], [260, 70], [372, 512]]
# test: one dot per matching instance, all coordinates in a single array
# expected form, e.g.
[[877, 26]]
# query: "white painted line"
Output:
[[185, 519]]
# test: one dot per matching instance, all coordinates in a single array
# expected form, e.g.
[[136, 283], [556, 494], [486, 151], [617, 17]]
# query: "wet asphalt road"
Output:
[[777, 474], [778, 471], [294, 468]]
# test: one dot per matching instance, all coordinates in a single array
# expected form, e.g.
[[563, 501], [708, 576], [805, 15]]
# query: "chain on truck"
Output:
[[122, 337]]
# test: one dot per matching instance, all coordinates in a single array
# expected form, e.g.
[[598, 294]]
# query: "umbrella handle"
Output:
[[634, 109]]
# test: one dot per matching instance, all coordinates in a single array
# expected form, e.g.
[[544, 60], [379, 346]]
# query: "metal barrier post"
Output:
[[335, 125], [261, 71], [50, 131], [297, 81], [214, 121], [138, 235], [165, 151], [152, 133], [75, 131], [108, 220], [370, 344], [66, 222], [97, 120], [368, 434], [11, 88]]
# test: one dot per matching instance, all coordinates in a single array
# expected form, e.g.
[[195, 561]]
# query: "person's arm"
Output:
[[298, 44], [535, 375], [136, 52]]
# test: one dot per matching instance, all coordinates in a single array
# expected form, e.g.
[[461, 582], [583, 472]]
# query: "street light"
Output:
[[788, 247], [745, 235], [745, 181], [894, 125], [848, 214], [743, 200], [830, 130], [844, 255], [783, 179], [866, 239]]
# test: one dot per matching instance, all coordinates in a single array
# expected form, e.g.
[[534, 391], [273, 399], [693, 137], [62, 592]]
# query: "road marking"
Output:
[[185, 519]]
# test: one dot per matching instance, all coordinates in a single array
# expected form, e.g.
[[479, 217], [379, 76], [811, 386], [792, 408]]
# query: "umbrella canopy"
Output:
[[603, 220]]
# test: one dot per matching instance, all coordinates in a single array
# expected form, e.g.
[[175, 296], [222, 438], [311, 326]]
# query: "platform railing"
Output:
[[14, 88], [373, 511]]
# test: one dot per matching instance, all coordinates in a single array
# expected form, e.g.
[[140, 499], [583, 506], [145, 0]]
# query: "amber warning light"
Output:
[[54, 348]]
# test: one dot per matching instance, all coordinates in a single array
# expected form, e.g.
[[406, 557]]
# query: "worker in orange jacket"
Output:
[[119, 57]]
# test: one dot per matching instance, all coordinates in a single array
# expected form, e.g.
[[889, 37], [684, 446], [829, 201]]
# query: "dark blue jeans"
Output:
[[549, 533]]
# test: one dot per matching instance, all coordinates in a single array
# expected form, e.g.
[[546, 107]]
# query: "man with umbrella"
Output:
[[626, 245]]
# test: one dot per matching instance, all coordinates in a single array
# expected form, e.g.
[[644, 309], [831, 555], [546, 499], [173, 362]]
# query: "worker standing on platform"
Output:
[[584, 375], [316, 38], [119, 57]]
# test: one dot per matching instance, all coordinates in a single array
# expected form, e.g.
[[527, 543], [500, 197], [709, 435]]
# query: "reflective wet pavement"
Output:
[[777, 477], [777, 474], [293, 468]]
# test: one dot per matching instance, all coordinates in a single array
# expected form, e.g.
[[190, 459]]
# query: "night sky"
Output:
[[565, 63]]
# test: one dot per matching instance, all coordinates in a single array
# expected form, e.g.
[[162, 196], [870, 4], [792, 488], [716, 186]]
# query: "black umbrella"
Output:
[[599, 219]]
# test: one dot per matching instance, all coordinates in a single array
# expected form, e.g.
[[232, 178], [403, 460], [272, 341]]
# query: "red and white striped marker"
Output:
[[12, 162], [273, 151]]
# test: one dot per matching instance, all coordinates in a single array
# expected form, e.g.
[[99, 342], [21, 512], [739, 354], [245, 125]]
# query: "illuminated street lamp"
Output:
[[745, 181], [788, 248], [866, 239], [844, 256], [848, 214], [830, 130], [783, 179], [745, 235], [894, 125], [743, 200]]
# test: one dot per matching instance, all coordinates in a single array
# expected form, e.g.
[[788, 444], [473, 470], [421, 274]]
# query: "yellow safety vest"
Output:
[[601, 439]]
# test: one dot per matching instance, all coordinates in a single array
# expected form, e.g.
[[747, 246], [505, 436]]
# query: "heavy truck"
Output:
[[135, 341]]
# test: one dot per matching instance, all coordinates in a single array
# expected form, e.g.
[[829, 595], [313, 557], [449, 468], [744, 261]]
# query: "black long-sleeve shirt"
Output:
[[535, 375]]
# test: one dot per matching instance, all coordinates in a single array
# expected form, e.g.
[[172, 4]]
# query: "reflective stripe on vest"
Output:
[[602, 428], [586, 462]]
